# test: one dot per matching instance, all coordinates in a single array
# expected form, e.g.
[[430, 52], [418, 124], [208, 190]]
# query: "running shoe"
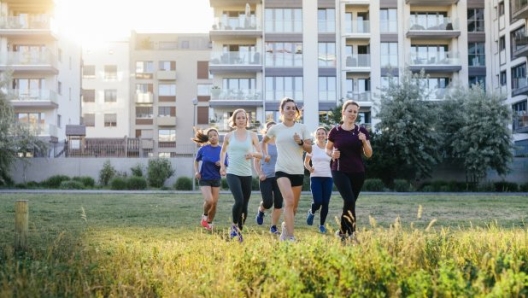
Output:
[[204, 221], [310, 217], [274, 230], [322, 229], [235, 232], [209, 226], [260, 217]]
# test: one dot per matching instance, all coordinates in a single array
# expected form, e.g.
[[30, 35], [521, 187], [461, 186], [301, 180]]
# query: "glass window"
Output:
[[88, 71], [144, 112], [88, 119], [327, 88], [167, 65], [327, 54], [476, 54], [326, 20], [164, 111], [502, 43], [480, 80], [476, 20], [502, 78], [203, 89], [144, 88], [284, 54], [110, 120], [167, 135], [144, 69], [110, 72], [283, 20], [110, 95], [167, 89], [279, 87], [518, 76], [389, 54], [388, 20]]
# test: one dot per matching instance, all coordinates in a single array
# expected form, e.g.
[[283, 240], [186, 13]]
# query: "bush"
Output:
[[523, 187], [136, 183], [55, 181], [183, 183], [255, 183], [118, 183], [159, 170], [306, 183], [373, 185], [486, 187], [137, 170], [87, 181], [33, 184], [71, 184], [401, 185], [107, 173], [504, 186]]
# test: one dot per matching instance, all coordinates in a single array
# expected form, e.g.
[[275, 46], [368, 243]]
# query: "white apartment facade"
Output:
[[319, 52], [44, 84]]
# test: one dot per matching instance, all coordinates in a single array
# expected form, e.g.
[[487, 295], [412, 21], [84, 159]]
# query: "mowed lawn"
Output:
[[175, 214]]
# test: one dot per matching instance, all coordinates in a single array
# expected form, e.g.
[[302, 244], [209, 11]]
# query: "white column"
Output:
[[310, 65]]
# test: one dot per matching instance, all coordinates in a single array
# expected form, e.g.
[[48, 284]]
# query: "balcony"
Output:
[[236, 97], [357, 29], [359, 63], [431, 2], [519, 9], [444, 62], [519, 86], [520, 122], [359, 96], [356, 2], [166, 121], [236, 28], [35, 98], [235, 61], [33, 61], [433, 29], [520, 48], [42, 129], [166, 75], [30, 26], [144, 98]]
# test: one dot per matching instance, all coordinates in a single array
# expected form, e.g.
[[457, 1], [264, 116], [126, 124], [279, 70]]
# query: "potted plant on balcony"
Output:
[[215, 91]]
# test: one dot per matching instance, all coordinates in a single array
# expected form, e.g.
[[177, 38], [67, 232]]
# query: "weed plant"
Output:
[[152, 246]]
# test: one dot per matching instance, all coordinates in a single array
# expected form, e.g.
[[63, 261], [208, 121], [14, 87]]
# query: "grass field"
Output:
[[151, 245]]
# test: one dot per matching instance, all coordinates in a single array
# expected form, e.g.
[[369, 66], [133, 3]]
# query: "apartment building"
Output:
[[319, 52], [143, 95], [44, 66]]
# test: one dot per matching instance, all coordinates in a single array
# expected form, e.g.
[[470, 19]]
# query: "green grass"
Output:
[[151, 245]]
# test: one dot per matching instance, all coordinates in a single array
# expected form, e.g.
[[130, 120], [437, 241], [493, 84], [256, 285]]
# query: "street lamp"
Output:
[[195, 103]]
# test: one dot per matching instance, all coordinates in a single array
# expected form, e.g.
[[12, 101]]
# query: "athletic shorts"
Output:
[[212, 183], [295, 180]]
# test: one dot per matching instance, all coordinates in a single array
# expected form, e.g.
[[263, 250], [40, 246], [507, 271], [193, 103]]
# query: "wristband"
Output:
[[302, 143]]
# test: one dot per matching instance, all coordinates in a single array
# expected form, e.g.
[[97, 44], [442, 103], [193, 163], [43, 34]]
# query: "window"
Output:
[[284, 54], [167, 135], [388, 20], [518, 76], [327, 54], [280, 87], [59, 121], [283, 20], [239, 88], [430, 54], [502, 78], [89, 72], [88, 120], [144, 70], [389, 54], [167, 65], [501, 8], [167, 89], [480, 80], [327, 88], [144, 88], [476, 20], [110, 95], [476, 54], [518, 39], [88, 95], [59, 87], [502, 43], [203, 89], [436, 87], [326, 20], [429, 20], [185, 44], [110, 72], [166, 111], [144, 112], [110, 120]]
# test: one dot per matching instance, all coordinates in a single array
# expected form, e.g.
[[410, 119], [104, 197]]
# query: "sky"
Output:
[[92, 20]]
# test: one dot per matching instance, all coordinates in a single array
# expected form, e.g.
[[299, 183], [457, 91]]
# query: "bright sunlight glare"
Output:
[[92, 21]]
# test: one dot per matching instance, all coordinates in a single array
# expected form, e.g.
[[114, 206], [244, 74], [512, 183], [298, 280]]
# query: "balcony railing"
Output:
[[355, 27], [359, 96], [430, 24], [41, 129], [236, 94], [33, 58], [283, 26], [434, 58], [27, 22], [235, 58], [358, 60], [34, 95], [237, 23], [144, 97]]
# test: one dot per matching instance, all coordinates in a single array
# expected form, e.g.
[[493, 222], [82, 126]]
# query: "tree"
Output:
[[480, 139], [406, 135], [332, 117]]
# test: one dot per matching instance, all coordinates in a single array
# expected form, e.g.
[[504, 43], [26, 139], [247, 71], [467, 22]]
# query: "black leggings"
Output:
[[240, 187], [349, 186], [271, 195]]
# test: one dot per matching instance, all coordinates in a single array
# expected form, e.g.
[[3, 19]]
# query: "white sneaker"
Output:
[[283, 233]]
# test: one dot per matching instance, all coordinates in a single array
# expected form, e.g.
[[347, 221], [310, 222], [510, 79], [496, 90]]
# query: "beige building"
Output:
[[45, 85]]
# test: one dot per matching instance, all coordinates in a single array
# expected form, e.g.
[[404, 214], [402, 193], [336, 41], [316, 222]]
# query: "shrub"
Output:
[[87, 181], [255, 183], [306, 183], [137, 170], [33, 184], [523, 187], [159, 170], [486, 187], [401, 185], [55, 181], [71, 184], [505, 186], [118, 183], [427, 188], [107, 173], [136, 183], [373, 185], [183, 183]]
